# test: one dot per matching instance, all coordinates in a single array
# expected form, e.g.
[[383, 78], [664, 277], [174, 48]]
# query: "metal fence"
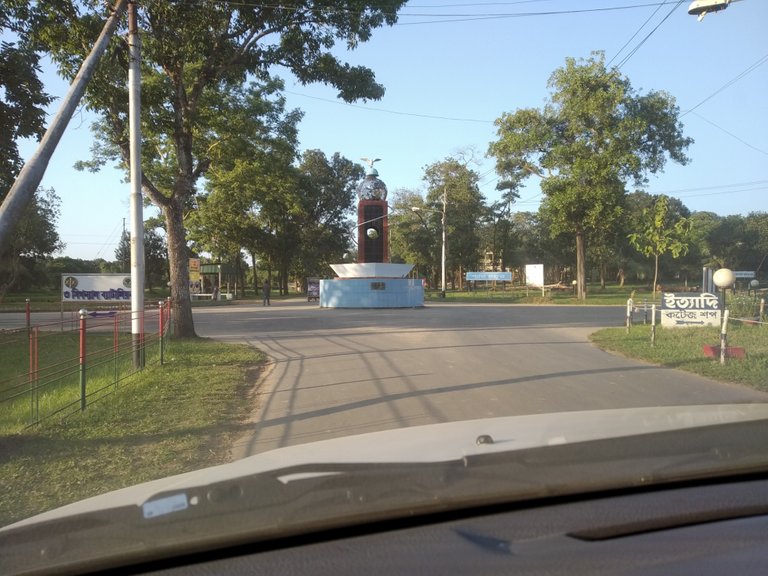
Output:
[[59, 368]]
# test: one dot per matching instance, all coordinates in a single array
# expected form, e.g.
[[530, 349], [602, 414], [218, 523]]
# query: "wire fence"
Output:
[[60, 368]]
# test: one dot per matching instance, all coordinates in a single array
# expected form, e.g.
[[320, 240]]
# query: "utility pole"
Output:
[[137, 216], [31, 175], [442, 260]]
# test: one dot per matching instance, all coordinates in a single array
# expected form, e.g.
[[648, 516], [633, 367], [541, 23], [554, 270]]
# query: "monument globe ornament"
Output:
[[371, 188]]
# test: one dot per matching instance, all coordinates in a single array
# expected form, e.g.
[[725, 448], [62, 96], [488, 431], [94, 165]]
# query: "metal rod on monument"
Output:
[[32, 173], [137, 217]]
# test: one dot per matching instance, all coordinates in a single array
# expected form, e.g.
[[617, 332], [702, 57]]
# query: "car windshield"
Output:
[[297, 266]]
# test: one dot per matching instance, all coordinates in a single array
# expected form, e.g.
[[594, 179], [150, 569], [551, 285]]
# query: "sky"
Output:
[[451, 68]]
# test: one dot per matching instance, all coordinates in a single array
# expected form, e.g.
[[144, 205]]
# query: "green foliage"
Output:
[[464, 210], [660, 232], [411, 239], [195, 56], [22, 98], [34, 239], [593, 136]]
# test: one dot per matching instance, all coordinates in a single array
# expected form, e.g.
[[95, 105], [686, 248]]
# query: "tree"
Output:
[[155, 255], [660, 232], [22, 98], [410, 239], [595, 134], [251, 167], [34, 239], [464, 209], [123, 253], [327, 198], [193, 53]]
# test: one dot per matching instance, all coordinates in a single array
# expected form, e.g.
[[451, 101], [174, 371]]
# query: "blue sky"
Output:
[[451, 68]]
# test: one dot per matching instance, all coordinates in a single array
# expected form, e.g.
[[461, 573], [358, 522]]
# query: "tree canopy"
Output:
[[194, 54], [593, 136], [22, 98]]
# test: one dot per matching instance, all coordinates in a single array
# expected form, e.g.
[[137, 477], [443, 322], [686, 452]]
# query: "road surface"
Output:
[[339, 372]]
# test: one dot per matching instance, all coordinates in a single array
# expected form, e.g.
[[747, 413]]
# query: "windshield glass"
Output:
[[332, 230]]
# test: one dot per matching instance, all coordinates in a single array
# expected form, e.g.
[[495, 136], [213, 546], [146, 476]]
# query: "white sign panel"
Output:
[[96, 287], [534, 275], [689, 309]]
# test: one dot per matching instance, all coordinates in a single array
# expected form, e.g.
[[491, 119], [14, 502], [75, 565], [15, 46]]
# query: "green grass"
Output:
[[57, 388], [682, 348], [162, 421]]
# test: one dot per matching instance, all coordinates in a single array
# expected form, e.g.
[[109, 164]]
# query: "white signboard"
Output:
[[534, 275], [96, 287], [690, 309]]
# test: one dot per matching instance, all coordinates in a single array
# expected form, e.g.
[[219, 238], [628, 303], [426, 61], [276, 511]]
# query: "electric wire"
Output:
[[731, 134], [751, 68], [635, 34], [647, 36]]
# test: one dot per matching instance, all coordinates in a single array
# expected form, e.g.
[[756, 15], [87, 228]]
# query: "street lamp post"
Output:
[[418, 209], [723, 278]]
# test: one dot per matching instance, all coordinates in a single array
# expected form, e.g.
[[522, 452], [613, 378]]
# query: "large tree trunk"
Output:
[[178, 260], [581, 274]]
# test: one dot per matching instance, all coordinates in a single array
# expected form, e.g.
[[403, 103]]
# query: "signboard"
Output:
[[96, 287], [490, 276], [689, 309], [195, 276], [313, 289], [534, 275], [743, 274]]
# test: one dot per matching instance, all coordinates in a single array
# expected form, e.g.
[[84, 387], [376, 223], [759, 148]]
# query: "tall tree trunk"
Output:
[[602, 274], [581, 273], [178, 261], [255, 274], [655, 275]]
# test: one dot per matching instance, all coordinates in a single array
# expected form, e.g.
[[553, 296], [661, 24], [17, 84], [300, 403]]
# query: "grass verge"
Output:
[[165, 420], [682, 348]]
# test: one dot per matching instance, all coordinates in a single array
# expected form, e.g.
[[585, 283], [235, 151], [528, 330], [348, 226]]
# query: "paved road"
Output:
[[340, 372]]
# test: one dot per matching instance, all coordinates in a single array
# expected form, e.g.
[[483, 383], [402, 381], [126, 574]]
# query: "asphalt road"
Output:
[[339, 372]]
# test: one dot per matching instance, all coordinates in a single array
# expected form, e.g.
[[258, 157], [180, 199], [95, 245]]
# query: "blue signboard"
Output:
[[490, 276]]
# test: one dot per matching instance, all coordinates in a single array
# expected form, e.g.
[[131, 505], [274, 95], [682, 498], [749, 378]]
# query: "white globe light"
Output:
[[372, 233], [724, 278]]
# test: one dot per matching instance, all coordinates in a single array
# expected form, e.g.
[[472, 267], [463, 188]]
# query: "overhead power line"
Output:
[[647, 36], [731, 134], [636, 33], [387, 111], [469, 17], [751, 68]]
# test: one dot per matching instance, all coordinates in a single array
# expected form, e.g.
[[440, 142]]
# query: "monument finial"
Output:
[[370, 162]]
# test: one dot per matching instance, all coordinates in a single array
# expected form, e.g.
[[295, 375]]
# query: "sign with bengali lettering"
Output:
[[95, 287], [490, 276], [690, 309]]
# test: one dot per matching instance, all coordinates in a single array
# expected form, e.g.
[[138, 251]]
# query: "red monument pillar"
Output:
[[372, 210]]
